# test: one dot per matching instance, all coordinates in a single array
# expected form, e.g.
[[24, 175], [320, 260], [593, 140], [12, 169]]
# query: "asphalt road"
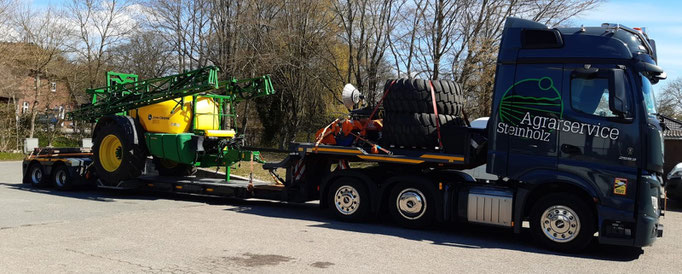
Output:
[[122, 232]]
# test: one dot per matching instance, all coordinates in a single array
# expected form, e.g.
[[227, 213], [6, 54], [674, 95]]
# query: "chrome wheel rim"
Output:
[[347, 200], [60, 177], [560, 224], [411, 203], [36, 175]]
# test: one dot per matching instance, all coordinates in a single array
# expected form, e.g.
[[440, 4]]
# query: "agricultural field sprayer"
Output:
[[183, 121]]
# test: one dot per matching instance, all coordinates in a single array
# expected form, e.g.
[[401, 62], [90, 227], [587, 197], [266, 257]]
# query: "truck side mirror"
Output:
[[617, 93]]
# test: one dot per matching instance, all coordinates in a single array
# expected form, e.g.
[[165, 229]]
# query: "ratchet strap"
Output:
[[435, 111]]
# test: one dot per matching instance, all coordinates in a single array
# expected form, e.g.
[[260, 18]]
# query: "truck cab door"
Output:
[[524, 111], [599, 135]]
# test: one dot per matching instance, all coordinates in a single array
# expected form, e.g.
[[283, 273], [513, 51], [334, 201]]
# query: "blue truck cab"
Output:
[[573, 118]]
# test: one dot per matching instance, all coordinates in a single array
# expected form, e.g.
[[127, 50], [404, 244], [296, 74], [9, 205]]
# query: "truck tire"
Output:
[[349, 200], [414, 96], [411, 205], [116, 158], [562, 222], [62, 177], [167, 167], [35, 175], [415, 129]]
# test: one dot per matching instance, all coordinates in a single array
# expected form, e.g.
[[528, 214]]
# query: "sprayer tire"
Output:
[[127, 160]]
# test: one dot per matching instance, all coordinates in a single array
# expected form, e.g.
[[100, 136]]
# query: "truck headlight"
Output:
[[654, 202]]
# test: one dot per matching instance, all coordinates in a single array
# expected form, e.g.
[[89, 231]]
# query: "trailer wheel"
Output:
[[167, 167], [35, 175], [349, 200], [62, 178], [411, 205], [116, 157], [562, 222]]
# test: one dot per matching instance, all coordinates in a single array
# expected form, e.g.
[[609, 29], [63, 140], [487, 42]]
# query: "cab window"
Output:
[[591, 96]]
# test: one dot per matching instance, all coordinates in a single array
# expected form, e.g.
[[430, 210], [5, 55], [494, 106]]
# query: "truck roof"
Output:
[[524, 39]]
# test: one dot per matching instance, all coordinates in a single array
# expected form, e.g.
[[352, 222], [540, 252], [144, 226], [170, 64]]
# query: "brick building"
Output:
[[673, 143], [53, 98]]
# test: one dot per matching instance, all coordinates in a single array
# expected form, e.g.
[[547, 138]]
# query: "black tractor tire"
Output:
[[132, 156], [414, 96], [170, 168], [349, 200], [62, 177], [562, 222], [415, 129], [35, 176], [412, 205]]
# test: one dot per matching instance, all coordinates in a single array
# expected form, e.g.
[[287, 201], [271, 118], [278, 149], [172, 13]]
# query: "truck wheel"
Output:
[[35, 175], [349, 200], [115, 156], [62, 178], [411, 205], [562, 222], [167, 167]]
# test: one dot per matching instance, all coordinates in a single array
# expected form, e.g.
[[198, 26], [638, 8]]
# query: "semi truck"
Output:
[[573, 142]]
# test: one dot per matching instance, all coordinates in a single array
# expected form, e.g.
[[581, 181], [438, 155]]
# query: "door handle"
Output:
[[570, 149]]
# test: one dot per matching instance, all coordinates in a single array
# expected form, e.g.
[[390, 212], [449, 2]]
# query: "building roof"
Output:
[[673, 128]]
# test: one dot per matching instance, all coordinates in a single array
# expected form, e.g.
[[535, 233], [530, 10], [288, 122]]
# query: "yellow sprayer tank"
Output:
[[169, 117]]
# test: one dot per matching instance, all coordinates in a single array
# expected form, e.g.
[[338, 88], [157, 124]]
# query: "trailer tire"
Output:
[[349, 200], [167, 167], [416, 129], [561, 222], [116, 158], [411, 205], [62, 177], [35, 175], [414, 96]]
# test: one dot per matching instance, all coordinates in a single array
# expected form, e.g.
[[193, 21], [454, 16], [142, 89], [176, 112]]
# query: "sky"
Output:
[[661, 18], [663, 23]]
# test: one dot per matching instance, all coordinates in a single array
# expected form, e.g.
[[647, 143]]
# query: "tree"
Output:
[[669, 101], [101, 26], [145, 54], [43, 35], [367, 26], [185, 25], [466, 35]]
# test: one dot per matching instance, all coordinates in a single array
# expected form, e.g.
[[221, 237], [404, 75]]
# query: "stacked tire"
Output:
[[409, 118]]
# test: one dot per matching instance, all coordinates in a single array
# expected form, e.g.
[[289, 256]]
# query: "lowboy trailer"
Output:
[[573, 138]]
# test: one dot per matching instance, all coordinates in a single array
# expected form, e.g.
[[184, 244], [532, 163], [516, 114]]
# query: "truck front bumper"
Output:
[[641, 233]]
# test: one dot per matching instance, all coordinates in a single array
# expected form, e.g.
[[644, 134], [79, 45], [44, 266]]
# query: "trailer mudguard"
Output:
[[534, 180], [127, 123]]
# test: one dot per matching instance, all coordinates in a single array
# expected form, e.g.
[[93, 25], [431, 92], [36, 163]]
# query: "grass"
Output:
[[244, 168], [9, 156]]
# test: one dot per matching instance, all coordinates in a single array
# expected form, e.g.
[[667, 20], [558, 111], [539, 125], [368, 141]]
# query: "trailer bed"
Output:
[[237, 187]]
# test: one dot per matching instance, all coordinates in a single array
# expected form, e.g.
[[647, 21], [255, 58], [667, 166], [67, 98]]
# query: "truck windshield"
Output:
[[648, 96]]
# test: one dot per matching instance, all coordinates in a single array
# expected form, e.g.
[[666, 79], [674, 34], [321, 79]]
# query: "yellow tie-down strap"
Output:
[[220, 133]]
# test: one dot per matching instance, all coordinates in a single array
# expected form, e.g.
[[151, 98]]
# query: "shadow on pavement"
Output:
[[453, 235]]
